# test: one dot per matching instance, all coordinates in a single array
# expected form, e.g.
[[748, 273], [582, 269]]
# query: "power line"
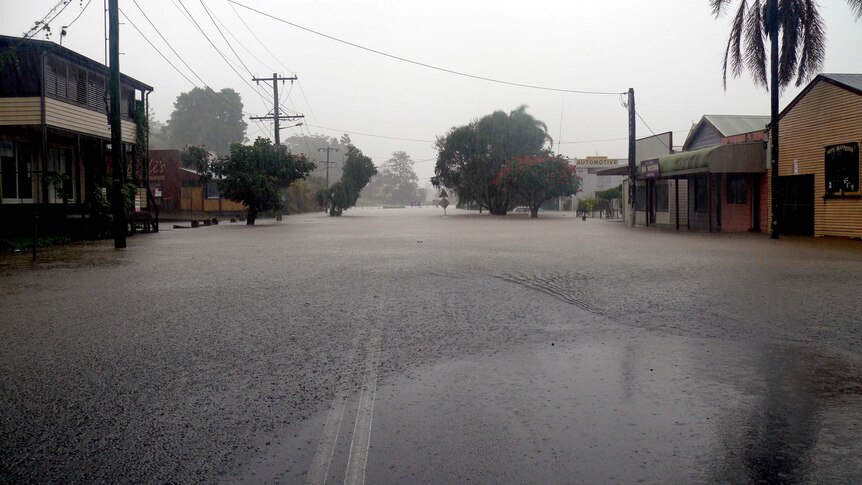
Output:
[[257, 88], [207, 90], [225, 39], [220, 98], [259, 41], [653, 133], [229, 31], [191, 18], [422, 64], [608, 139], [373, 135], [43, 24], [38, 26], [79, 14]]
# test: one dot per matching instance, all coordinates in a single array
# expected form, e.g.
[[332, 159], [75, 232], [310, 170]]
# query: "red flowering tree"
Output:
[[534, 179]]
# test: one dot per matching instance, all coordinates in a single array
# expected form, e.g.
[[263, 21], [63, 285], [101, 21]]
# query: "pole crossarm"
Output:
[[276, 117], [280, 117]]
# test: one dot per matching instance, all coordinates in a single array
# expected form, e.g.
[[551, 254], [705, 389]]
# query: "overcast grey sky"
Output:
[[669, 51]]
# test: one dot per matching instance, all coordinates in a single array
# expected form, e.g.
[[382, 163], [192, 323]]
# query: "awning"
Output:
[[621, 170], [732, 158]]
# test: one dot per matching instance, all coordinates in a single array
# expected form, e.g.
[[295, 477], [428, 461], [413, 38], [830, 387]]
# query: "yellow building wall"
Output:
[[827, 115], [20, 111], [28, 111], [75, 118]]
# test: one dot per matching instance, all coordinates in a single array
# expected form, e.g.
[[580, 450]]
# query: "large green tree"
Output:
[[532, 180], [795, 25], [256, 174], [342, 195], [471, 156], [397, 182], [203, 117]]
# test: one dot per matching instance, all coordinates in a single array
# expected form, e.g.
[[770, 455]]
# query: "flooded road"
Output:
[[403, 347]]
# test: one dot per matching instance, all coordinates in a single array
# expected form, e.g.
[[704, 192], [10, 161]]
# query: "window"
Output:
[[737, 188], [80, 86], [212, 190], [842, 168], [61, 170], [700, 193], [15, 171], [661, 195], [56, 84], [96, 92]]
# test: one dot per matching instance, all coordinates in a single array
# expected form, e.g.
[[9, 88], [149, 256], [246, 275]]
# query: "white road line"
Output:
[[361, 440], [319, 469]]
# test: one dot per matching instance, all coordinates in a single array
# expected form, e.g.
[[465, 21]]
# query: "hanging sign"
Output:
[[649, 169]]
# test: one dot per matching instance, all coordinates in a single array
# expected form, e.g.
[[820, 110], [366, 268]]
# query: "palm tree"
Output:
[[803, 47]]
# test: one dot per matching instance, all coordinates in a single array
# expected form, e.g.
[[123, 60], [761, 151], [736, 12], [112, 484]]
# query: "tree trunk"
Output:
[[534, 211], [773, 81], [252, 215]]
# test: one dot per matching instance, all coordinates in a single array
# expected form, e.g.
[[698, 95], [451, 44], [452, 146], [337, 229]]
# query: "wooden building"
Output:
[[55, 135], [181, 193], [717, 183], [819, 161]]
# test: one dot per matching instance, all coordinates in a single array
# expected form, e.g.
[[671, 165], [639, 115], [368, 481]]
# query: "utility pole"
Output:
[[327, 149], [772, 20], [633, 169], [275, 116], [118, 167]]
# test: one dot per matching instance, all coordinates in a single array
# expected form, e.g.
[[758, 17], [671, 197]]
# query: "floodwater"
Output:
[[399, 346]]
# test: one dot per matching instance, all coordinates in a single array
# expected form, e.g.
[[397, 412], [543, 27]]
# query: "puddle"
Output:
[[648, 410]]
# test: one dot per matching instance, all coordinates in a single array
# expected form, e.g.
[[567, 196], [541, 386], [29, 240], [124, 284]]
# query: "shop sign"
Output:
[[649, 169]]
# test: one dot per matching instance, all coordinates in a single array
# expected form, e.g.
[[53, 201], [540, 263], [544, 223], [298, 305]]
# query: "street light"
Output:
[[291, 126]]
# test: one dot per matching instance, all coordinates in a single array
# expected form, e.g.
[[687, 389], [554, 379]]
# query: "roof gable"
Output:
[[711, 129], [849, 82]]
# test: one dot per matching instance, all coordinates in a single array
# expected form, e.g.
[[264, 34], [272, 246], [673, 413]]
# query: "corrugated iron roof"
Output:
[[851, 80], [730, 125]]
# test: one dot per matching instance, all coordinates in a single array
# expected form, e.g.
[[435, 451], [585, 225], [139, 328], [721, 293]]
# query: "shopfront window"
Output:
[[661, 195], [842, 168], [640, 197]]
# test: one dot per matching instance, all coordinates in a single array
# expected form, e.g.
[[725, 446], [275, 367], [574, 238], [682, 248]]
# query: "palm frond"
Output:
[[718, 6], [790, 21], [856, 7], [755, 45], [733, 52], [813, 41]]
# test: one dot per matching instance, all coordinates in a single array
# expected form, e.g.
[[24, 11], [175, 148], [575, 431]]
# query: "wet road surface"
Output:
[[398, 346]]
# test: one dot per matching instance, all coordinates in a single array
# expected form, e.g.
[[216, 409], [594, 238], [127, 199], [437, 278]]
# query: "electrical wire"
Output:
[[225, 39], [258, 39], [212, 94], [170, 46], [46, 24], [373, 135], [221, 33], [653, 133], [418, 63], [79, 14], [37, 27], [191, 18]]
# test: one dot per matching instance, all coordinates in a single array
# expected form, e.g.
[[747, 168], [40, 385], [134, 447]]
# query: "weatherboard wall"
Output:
[[75, 119], [826, 115]]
